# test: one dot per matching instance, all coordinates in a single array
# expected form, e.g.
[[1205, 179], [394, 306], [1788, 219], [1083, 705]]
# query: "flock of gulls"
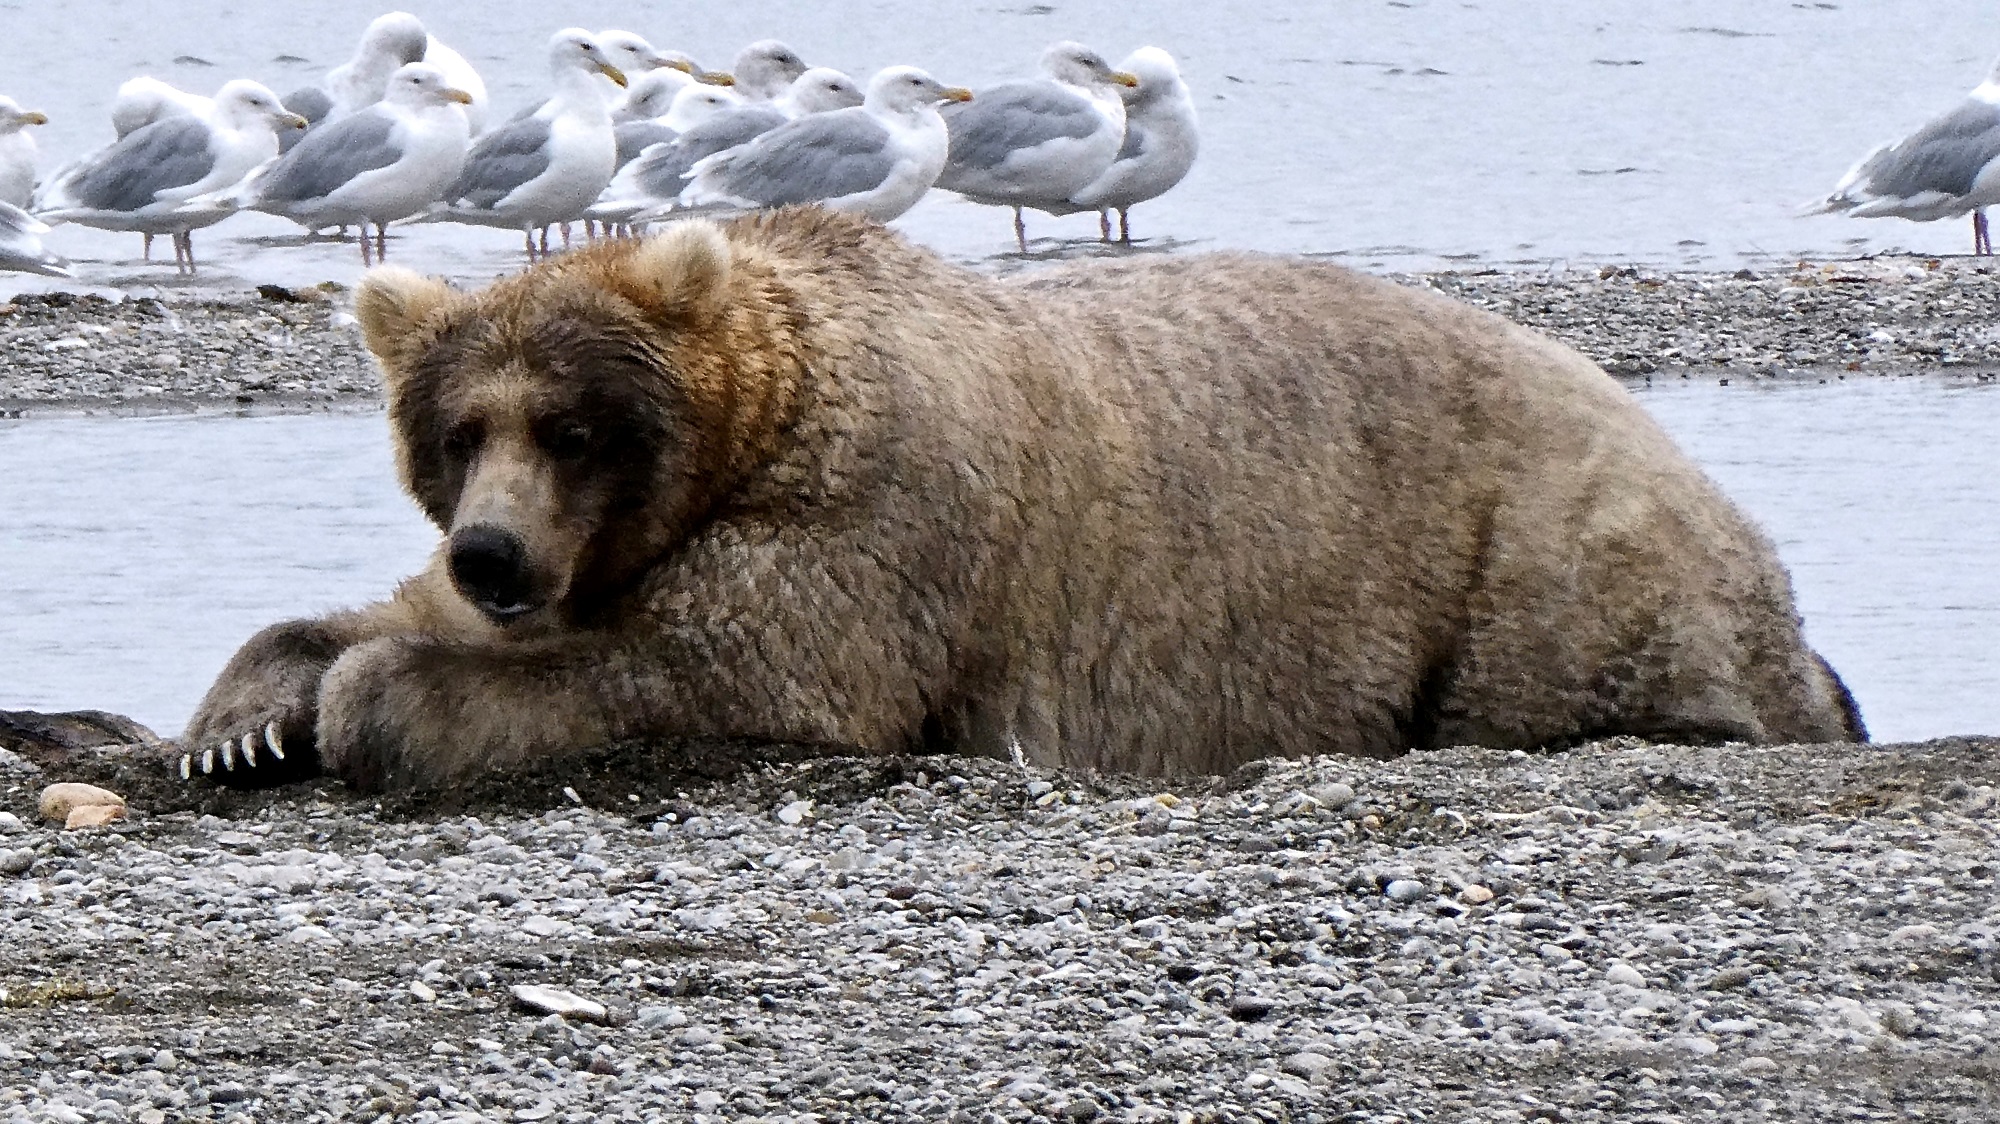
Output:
[[628, 135]]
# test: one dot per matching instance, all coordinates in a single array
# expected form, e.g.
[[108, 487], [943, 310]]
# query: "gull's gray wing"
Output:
[[1012, 116], [663, 171], [500, 161], [635, 137], [824, 156], [1946, 155], [331, 155], [169, 153]]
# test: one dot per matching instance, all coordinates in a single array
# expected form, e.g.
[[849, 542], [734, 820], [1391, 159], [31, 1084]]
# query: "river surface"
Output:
[[1406, 134], [141, 551]]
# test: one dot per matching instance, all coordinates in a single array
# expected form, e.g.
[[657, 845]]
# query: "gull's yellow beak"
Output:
[[612, 72], [956, 93], [453, 93], [295, 121], [685, 66], [35, 117], [1125, 78], [714, 77]]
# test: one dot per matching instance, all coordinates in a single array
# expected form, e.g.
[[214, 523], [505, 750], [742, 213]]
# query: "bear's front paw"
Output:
[[385, 715], [255, 727]]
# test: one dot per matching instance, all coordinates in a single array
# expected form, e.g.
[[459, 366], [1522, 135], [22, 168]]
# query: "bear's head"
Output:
[[569, 425]]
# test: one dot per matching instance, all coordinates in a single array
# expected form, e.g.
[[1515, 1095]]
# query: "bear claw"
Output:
[[229, 755], [272, 739]]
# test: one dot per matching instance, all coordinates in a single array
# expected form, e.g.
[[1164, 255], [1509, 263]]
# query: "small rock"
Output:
[[964, 1016], [1757, 1067], [17, 861], [555, 1001], [1406, 890], [795, 813], [1475, 894], [1249, 1008], [10, 824], [58, 800], [1335, 795], [1619, 972], [1731, 977], [661, 1017], [422, 992], [1305, 1064]]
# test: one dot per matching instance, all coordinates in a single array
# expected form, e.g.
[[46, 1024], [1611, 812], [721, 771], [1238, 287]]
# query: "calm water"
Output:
[[1403, 134], [141, 552]]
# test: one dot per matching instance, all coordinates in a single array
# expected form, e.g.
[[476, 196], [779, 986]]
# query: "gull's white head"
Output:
[[820, 90], [13, 118], [652, 94], [1158, 76], [242, 102], [900, 89], [696, 103], [574, 49], [397, 35], [766, 68], [1074, 64], [421, 84]]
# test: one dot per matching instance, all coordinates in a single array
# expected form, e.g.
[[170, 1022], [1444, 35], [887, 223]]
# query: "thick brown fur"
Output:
[[793, 478]]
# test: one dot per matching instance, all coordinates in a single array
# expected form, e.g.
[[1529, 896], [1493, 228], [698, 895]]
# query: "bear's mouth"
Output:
[[505, 614]]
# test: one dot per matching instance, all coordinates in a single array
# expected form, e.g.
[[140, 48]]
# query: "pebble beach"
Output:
[[297, 348], [1619, 932]]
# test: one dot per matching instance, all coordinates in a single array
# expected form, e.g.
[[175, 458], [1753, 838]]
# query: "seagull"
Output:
[[461, 76], [646, 116], [544, 169], [388, 42], [21, 248], [145, 99], [310, 102], [139, 182], [17, 152], [1949, 166], [876, 159], [653, 181], [1035, 143], [766, 69], [1161, 138], [385, 162]]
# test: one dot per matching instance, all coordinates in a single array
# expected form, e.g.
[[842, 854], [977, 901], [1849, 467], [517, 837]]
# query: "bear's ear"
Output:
[[682, 272], [391, 304]]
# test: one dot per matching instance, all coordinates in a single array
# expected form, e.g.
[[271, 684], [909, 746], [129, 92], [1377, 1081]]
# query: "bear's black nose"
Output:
[[488, 566]]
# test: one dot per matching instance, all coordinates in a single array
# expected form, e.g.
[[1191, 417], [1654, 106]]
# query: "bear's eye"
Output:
[[567, 440], [463, 438]]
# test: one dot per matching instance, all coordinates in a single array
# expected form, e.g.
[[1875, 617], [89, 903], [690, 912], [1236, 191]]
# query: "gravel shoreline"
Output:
[[298, 349], [1621, 932]]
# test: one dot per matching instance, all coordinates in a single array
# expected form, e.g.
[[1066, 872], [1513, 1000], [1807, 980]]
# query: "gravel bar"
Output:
[[279, 348], [1620, 932]]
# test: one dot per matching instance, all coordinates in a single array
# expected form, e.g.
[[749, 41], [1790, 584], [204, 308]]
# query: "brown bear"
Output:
[[793, 478]]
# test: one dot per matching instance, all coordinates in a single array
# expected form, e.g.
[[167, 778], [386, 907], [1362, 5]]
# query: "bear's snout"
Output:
[[489, 566]]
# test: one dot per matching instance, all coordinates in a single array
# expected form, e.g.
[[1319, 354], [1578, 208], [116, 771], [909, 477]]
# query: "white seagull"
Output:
[[1949, 166], [18, 154], [1161, 139], [545, 169], [145, 99], [766, 69], [1035, 143], [140, 181], [876, 159], [389, 41], [653, 181], [386, 162]]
